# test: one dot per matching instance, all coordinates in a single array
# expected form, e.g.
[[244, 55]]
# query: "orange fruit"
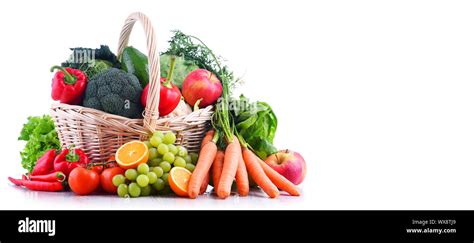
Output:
[[131, 154], [179, 179]]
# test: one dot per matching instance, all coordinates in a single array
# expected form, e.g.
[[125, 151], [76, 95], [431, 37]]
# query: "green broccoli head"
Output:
[[116, 92]]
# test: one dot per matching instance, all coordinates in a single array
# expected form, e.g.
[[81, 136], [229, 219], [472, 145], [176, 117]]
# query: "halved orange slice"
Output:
[[131, 154], [179, 179]]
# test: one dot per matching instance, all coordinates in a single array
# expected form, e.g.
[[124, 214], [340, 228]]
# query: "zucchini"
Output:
[[135, 62]]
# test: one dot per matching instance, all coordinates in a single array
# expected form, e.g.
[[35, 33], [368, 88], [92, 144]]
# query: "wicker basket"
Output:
[[100, 134]]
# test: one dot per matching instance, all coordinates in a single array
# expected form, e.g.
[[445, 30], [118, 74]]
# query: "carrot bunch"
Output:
[[226, 155], [237, 162]]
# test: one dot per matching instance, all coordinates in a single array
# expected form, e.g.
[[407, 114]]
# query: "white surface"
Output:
[[376, 95], [208, 201]]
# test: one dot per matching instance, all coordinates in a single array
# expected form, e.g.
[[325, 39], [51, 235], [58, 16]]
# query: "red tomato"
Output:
[[98, 168], [106, 179], [111, 162], [111, 165], [83, 181]]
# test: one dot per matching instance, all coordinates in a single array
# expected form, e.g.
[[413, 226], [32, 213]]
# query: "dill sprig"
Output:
[[193, 49]]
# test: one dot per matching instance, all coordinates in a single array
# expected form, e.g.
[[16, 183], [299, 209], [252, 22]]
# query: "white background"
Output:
[[376, 95]]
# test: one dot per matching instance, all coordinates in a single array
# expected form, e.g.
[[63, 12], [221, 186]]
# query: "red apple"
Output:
[[289, 164], [201, 84]]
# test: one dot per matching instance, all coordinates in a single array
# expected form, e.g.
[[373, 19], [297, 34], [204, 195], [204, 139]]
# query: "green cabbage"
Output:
[[181, 69]]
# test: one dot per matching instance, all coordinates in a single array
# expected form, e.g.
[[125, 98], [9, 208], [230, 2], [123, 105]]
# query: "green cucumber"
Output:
[[136, 63]]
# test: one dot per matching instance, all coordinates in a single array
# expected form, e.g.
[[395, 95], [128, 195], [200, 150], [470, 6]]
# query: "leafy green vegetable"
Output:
[[181, 69], [200, 55], [98, 67], [40, 136], [256, 123], [91, 61]]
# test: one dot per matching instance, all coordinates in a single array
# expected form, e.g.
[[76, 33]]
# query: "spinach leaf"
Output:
[[256, 123]]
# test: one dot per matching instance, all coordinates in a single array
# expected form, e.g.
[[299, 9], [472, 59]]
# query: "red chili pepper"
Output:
[[83, 159], [51, 177], [45, 163], [68, 160], [17, 182], [68, 85], [169, 93], [38, 185]]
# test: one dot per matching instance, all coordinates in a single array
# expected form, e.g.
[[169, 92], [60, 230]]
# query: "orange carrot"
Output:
[[242, 178], [279, 180], [206, 157], [231, 162], [217, 169], [205, 183], [257, 173], [207, 138]]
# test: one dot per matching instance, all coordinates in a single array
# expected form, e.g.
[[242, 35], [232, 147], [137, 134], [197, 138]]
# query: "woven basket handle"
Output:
[[153, 99]]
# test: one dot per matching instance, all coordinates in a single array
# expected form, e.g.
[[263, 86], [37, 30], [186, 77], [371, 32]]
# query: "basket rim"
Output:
[[92, 110]]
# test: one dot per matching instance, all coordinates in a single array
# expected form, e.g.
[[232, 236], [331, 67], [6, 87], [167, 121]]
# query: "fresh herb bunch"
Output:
[[193, 49], [40, 136]]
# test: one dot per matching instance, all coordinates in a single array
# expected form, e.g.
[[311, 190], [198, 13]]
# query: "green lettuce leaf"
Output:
[[40, 136]]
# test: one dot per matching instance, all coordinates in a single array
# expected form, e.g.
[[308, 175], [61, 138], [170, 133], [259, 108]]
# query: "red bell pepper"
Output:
[[68, 160], [45, 164], [68, 85], [38, 185], [169, 93]]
